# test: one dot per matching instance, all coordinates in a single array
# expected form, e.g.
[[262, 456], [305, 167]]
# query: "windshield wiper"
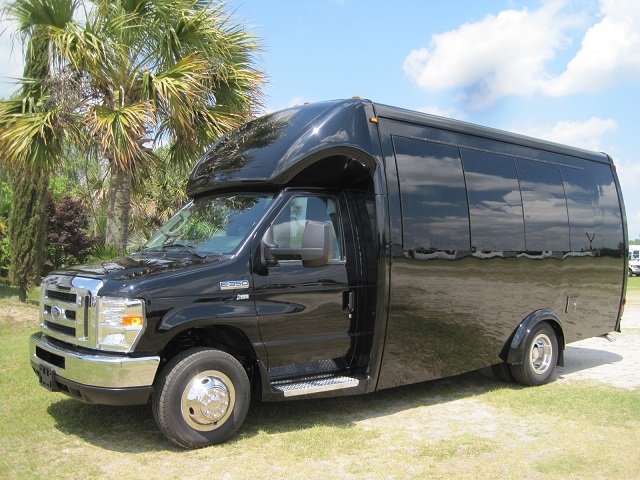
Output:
[[189, 248]]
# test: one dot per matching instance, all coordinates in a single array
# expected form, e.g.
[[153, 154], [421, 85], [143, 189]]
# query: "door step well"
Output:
[[310, 385]]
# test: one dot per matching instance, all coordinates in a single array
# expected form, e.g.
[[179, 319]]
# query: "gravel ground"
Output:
[[615, 363]]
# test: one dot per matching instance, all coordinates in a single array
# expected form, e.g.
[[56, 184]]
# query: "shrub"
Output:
[[67, 241]]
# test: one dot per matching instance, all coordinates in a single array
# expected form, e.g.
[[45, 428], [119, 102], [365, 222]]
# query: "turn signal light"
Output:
[[132, 321]]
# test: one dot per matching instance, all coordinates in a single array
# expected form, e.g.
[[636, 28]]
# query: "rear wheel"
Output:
[[540, 357], [502, 372], [201, 398]]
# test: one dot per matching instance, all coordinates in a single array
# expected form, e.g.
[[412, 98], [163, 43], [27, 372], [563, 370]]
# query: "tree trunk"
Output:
[[119, 206], [28, 229]]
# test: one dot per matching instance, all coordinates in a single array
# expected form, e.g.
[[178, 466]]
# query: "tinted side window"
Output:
[[580, 190], [495, 204], [609, 234], [545, 208], [434, 200]]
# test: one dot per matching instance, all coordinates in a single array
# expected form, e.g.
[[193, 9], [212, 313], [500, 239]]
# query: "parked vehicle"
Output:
[[634, 260], [342, 248]]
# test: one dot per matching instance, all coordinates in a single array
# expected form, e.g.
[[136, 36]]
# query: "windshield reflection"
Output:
[[211, 225]]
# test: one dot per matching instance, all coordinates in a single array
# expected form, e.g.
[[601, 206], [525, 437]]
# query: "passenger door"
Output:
[[306, 314]]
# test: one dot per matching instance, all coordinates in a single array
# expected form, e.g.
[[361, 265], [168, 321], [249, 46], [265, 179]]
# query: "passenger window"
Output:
[[435, 215], [608, 216], [288, 228], [580, 190], [495, 204], [545, 207]]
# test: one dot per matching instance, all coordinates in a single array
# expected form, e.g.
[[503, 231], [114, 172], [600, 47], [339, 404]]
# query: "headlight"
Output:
[[120, 323]]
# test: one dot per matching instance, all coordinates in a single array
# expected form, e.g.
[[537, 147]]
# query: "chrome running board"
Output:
[[314, 385]]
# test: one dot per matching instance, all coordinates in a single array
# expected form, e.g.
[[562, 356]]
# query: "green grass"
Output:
[[633, 287], [463, 427], [10, 294], [603, 406]]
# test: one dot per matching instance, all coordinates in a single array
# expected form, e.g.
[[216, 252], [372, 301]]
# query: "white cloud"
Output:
[[10, 60], [292, 102], [587, 134], [501, 55], [633, 223], [509, 53], [610, 51]]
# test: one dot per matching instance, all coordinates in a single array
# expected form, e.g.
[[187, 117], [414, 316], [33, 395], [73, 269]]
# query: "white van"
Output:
[[634, 260]]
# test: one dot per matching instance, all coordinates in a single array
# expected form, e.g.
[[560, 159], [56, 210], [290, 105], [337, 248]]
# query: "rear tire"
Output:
[[540, 357], [502, 372], [201, 398]]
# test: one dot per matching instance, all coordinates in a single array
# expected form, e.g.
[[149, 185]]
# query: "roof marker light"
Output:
[[373, 119]]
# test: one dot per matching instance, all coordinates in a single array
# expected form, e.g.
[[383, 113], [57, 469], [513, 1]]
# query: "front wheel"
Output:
[[540, 357], [202, 397]]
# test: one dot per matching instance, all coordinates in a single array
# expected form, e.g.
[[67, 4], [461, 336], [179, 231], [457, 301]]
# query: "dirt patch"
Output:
[[614, 363], [19, 316], [594, 360]]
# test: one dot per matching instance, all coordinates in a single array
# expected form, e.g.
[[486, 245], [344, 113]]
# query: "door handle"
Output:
[[348, 301]]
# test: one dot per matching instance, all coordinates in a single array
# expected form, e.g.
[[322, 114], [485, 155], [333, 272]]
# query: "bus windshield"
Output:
[[215, 224]]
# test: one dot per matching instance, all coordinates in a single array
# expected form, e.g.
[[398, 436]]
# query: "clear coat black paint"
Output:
[[424, 291]]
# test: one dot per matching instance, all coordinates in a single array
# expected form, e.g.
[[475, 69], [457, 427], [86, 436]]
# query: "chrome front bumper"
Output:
[[93, 370]]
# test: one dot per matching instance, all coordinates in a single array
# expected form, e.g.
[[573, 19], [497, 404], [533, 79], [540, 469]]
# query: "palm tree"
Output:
[[31, 138], [132, 73], [177, 72]]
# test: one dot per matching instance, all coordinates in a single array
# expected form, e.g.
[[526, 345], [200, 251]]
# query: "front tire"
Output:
[[540, 357], [202, 398]]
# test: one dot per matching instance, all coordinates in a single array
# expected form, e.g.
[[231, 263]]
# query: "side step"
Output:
[[315, 385]]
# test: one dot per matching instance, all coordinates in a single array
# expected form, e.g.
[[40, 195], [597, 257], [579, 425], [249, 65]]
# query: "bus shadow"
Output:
[[578, 359], [106, 426]]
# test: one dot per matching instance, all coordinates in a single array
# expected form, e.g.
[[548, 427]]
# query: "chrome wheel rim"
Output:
[[541, 354], [208, 400]]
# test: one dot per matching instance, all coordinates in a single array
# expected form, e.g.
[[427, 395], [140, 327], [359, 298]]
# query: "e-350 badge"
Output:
[[234, 284]]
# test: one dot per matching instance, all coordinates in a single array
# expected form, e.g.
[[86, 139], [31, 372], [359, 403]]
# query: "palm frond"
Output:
[[180, 70], [46, 13], [31, 139], [119, 131], [179, 91]]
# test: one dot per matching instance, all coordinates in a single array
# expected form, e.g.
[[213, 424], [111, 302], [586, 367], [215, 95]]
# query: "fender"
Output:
[[515, 354], [239, 315]]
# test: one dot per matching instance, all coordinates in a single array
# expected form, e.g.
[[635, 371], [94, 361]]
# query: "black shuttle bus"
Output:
[[341, 248]]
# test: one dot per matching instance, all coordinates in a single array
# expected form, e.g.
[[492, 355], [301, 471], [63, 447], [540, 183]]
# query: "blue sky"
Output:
[[563, 70]]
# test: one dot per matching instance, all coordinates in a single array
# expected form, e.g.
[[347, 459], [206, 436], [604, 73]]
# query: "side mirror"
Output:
[[316, 250], [317, 244], [267, 247]]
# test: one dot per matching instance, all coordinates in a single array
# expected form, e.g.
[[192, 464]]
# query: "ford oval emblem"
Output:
[[57, 312]]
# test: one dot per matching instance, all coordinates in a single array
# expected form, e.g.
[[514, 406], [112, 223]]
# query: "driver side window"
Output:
[[289, 227]]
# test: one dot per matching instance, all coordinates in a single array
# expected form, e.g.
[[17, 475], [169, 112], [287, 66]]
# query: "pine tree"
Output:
[[26, 232]]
